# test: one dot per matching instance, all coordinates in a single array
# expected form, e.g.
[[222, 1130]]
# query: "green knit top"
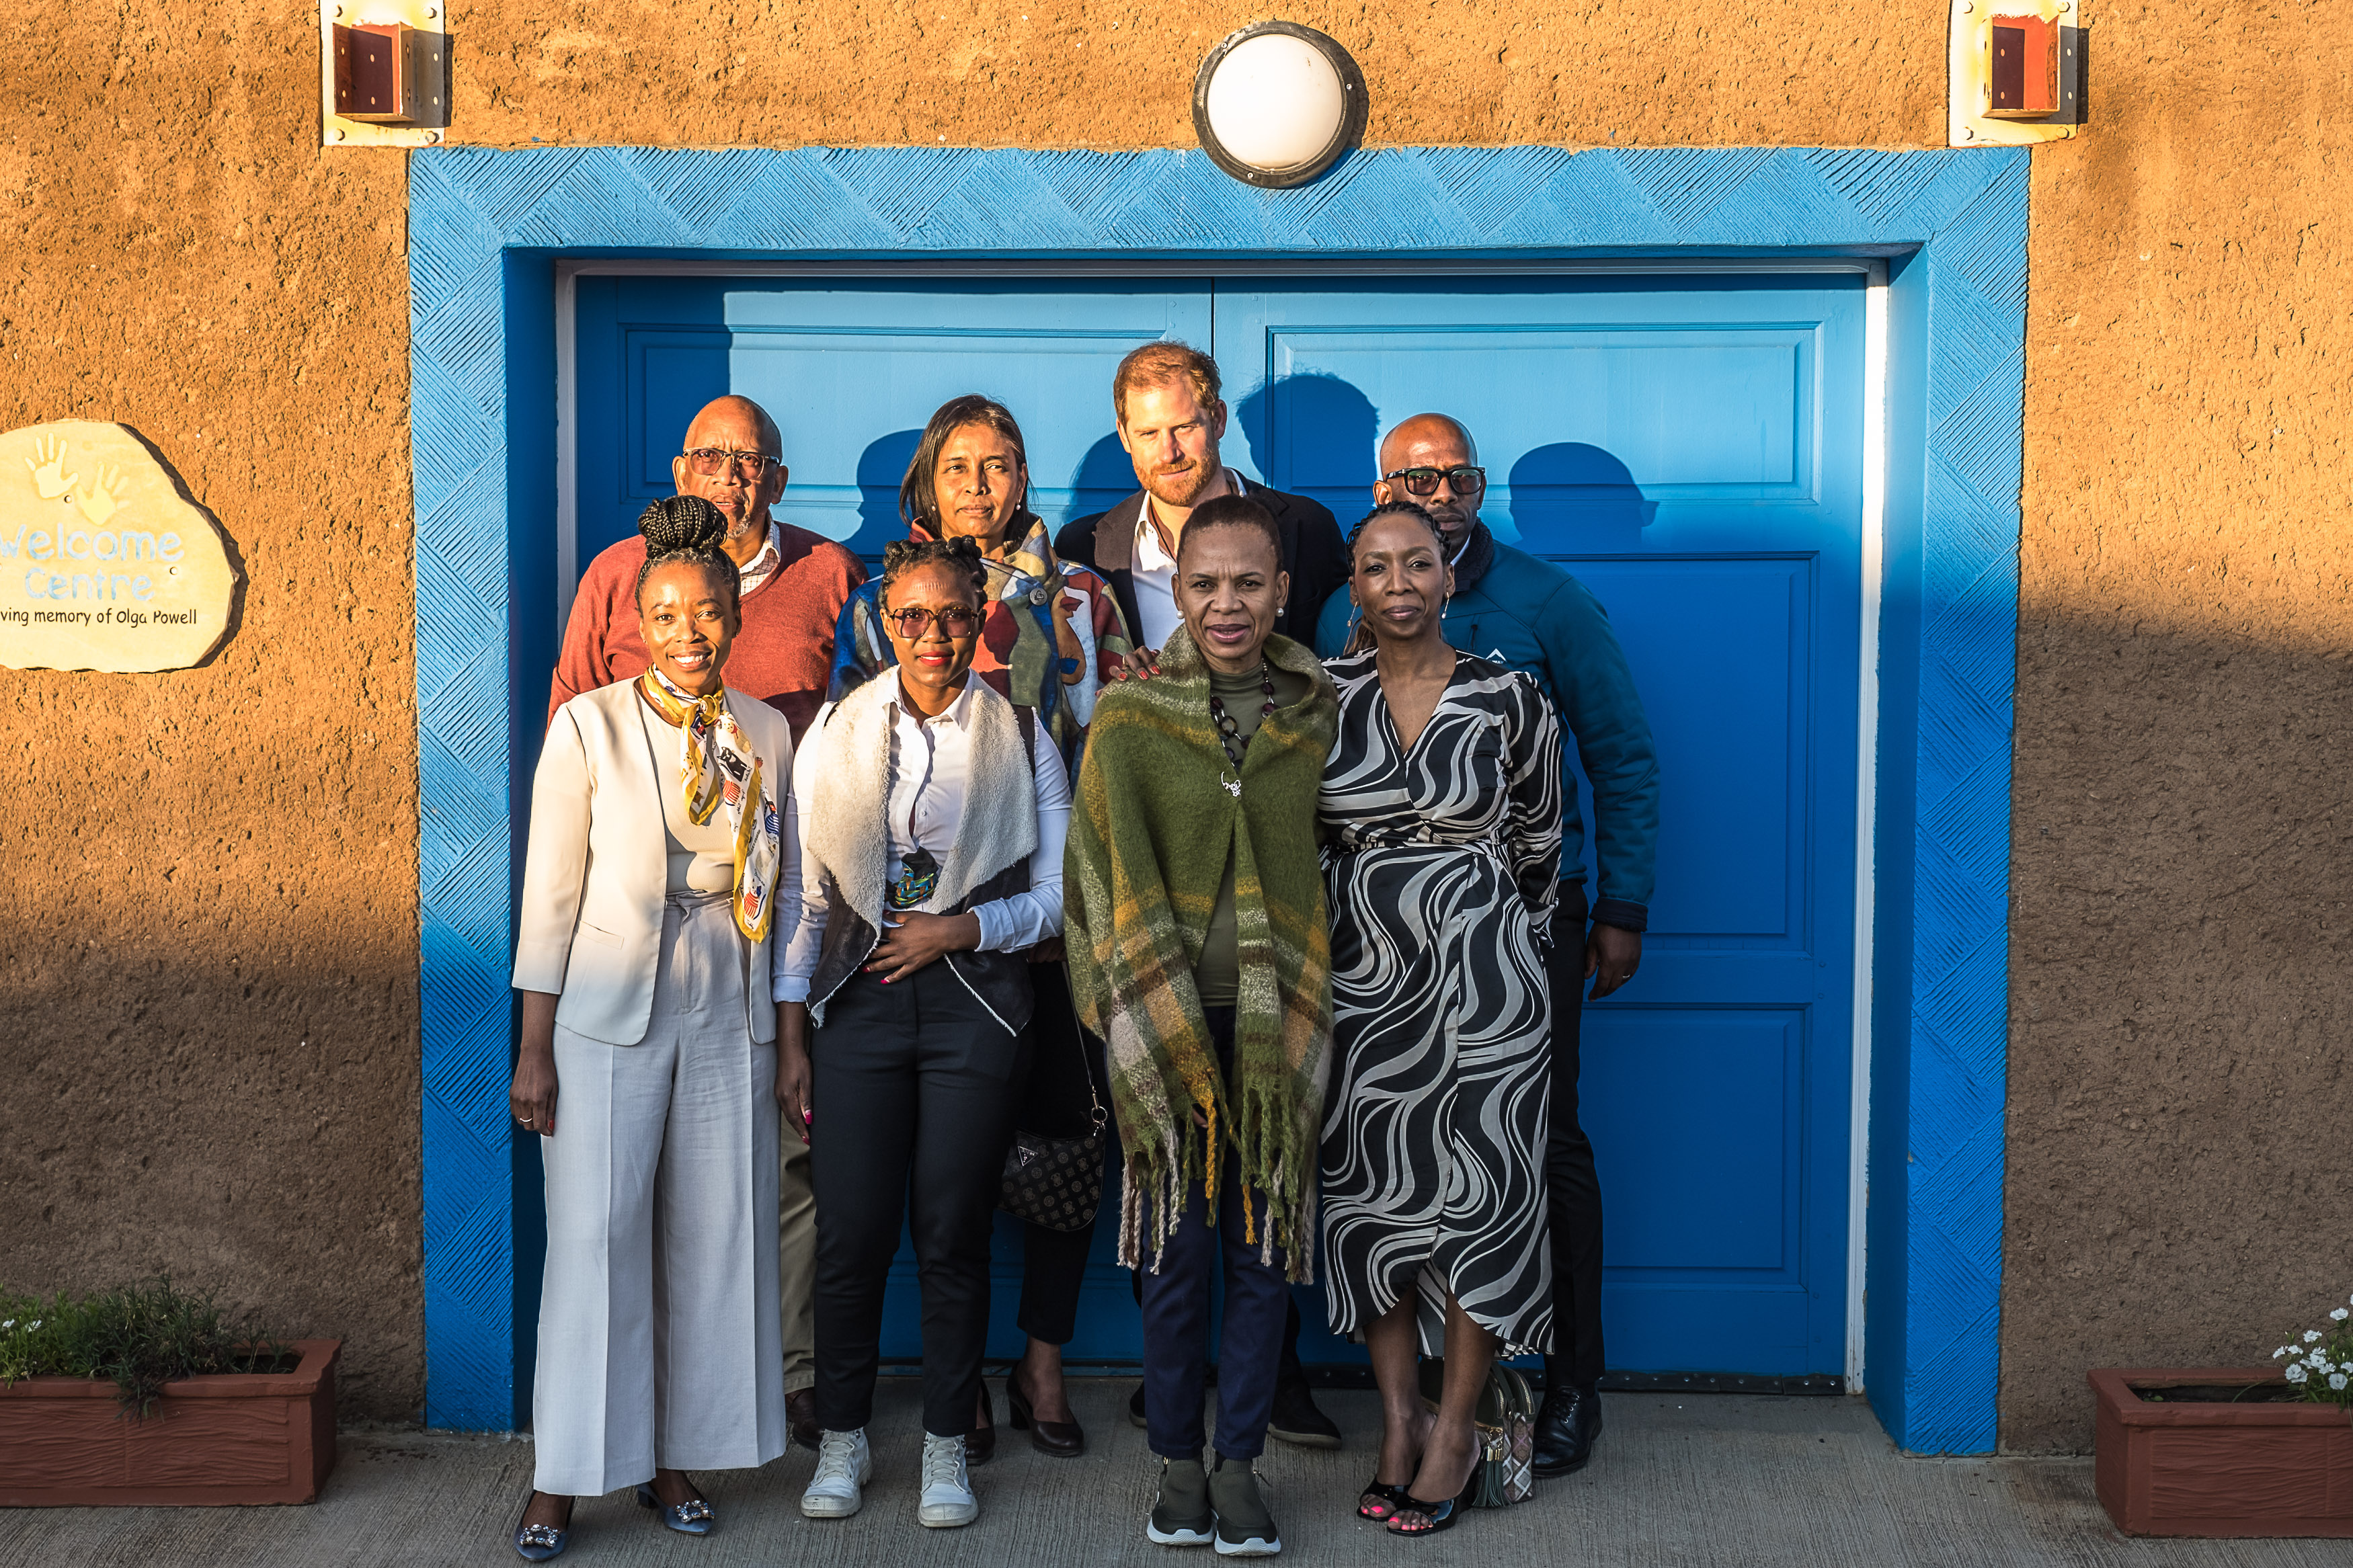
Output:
[[1217, 975]]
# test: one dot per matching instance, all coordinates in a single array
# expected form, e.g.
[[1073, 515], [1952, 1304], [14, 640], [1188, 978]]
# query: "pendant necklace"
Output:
[[1230, 735]]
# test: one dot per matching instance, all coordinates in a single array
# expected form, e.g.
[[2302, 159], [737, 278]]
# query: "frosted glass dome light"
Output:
[[1277, 103]]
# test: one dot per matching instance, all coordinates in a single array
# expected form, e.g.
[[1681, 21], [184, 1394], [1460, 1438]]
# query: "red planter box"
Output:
[[2199, 1468], [237, 1437]]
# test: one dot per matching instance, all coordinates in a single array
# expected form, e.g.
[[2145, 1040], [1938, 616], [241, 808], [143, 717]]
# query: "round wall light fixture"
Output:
[[1276, 104]]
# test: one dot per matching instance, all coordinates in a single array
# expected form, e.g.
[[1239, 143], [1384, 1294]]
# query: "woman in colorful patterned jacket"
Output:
[[1052, 636]]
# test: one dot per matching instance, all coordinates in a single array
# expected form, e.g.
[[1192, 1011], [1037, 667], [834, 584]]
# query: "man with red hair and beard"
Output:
[[1164, 396]]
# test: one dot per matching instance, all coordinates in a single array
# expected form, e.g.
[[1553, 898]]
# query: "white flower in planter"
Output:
[[2337, 1380], [2295, 1373], [2279, 1353], [2340, 1314], [2311, 1336]]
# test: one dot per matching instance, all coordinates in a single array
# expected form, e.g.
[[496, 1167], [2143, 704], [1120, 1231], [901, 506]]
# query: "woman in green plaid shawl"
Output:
[[1196, 926]]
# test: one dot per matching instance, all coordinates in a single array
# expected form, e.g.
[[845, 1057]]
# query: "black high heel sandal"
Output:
[[692, 1517], [1441, 1515], [538, 1542], [1392, 1498]]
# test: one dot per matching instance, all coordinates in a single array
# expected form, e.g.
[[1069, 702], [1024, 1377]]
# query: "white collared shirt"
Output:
[[926, 808], [1154, 574]]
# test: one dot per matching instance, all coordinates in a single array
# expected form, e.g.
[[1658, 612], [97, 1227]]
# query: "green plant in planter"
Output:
[[2322, 1371], [137, 1337]]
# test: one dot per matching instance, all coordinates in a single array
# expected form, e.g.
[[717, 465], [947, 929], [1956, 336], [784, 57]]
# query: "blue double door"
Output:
[[1690, 447]]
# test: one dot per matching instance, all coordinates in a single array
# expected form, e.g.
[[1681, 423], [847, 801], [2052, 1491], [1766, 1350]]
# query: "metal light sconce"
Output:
[[2017, 71], [384, 72], [1276, 104]]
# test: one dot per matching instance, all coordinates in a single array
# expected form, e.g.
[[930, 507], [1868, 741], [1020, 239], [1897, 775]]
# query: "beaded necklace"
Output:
[[1230, 735]]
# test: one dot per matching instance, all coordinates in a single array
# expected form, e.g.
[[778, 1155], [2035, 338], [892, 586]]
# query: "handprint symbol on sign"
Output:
[[49, 475], [103, 499]]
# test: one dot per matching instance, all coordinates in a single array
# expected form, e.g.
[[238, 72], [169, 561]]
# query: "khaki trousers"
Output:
[[797, 1259]]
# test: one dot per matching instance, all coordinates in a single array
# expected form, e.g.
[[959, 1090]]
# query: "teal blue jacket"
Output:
[[1528, 613]]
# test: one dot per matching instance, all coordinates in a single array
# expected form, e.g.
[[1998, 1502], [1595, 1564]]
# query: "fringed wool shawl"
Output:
[[1150, 835]]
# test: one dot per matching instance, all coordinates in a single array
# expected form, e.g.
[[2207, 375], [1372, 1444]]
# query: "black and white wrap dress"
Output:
[[1442, 861]]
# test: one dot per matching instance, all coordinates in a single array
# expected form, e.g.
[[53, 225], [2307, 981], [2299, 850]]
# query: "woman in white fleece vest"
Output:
[[932, 844]]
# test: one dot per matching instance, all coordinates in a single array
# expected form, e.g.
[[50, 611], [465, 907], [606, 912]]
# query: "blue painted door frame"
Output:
[[486, 227]]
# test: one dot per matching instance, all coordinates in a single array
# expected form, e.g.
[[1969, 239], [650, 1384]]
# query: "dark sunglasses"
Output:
[[1463, 480], [955, 621], [713, 461]]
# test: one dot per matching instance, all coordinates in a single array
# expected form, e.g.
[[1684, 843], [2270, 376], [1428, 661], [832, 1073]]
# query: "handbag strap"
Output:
[[1086, 1064]]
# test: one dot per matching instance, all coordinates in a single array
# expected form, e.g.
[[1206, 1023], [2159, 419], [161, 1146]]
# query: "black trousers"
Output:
[[1054, 1101], [916, 1087], [1572, 1186]]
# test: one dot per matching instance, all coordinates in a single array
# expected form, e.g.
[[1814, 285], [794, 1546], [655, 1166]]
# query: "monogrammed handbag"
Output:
[[1057, 1182], [1505, 1422]]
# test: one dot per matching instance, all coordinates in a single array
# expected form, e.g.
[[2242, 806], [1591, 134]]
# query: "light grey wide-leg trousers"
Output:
[[658, 1338]]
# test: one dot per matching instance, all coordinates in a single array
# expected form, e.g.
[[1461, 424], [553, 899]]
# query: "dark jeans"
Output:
[[1177, 1317], [1572, 1186], [916, 1086], [1054, 1101]]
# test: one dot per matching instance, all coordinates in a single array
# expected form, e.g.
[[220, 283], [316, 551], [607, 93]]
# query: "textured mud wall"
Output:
[[2178, 1184], [209, 922]]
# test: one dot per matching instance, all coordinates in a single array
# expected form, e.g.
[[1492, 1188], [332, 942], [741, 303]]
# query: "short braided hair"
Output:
[[902, 556], [1409, 508], [690, 529]]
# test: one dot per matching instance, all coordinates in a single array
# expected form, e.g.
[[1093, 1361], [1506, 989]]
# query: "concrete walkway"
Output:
[[1678, 1480]]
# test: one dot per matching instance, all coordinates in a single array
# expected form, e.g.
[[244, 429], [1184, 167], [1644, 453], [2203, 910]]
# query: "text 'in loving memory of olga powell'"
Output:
[[104, 562]]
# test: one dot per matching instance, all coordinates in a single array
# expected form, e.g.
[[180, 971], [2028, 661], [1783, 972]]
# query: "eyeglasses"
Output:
[[713, 461], [1463, 480], [955, 621]]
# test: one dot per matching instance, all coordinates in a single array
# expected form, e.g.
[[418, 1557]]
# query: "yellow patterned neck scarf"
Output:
[[716, 764]]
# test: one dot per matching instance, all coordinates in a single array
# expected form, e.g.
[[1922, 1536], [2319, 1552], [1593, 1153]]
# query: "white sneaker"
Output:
[[947, 1485], [844, 1466]]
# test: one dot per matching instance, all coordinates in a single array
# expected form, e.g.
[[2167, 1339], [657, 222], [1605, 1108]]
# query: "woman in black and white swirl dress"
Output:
[[1440, 813]]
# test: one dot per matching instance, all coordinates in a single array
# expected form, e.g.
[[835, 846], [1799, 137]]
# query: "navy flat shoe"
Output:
[[692, 1517], [538, 1542]]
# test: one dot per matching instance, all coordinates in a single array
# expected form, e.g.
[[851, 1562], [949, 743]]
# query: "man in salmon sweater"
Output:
[[794, 584]]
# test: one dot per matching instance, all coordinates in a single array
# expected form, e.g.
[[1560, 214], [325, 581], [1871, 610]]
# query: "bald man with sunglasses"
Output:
[[795, 582], [794, 585], [1528, 613]]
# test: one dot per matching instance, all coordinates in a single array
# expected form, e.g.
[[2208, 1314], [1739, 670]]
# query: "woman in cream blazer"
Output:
[[662, 881]]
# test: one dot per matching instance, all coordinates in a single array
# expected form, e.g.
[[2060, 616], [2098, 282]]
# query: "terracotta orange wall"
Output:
[[210, 959]]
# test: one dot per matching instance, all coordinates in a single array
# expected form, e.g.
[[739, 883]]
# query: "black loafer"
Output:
[[692, 1517], [1296, 1420], [800, 1417], [1567, 1425]]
